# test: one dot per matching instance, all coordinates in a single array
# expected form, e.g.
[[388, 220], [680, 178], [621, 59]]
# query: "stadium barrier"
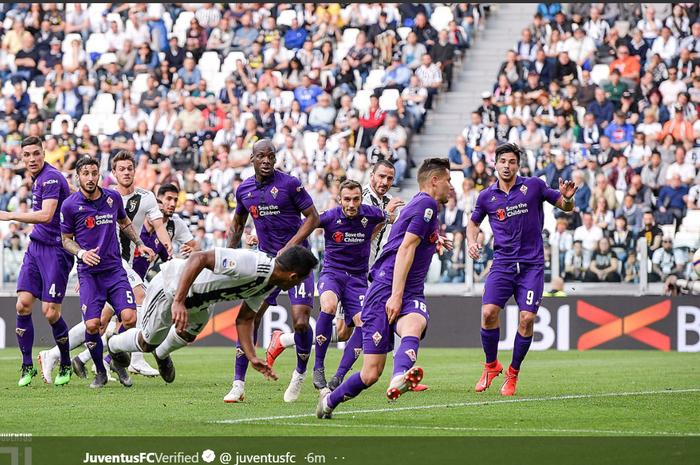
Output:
[[563, 323]]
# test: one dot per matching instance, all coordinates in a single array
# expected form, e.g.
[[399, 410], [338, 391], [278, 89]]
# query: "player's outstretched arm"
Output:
[[307, 227], [48, 208], [245, 326], [163, 235], [128, 230], [568, 190], [236, 230], [404, 261], [474, 248], [195, 264]]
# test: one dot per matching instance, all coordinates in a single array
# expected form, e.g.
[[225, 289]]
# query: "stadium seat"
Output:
[[403, 32], [342, 51], [103, 105], [139, 86], [89, 121], [109, 124], [374, 79], [361, 100], [229, 65], [580, 113], [287, 98], [183, 20], [623, 28], [686, 239], [8, 89], [620, 196], [36, 95], [310, 141], [285, 17], [216, 82], [96, 43], [68, 40], [116, 18], [107, 58], [600, 73], [456, 179], [387, 101], [168, 21], [350, 35], [56, 124], [441, 17], [209, 63]]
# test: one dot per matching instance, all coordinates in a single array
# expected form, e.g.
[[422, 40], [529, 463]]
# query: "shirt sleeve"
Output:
[[479, 212], [547, 193], [67, 223], [51, 189], [182, 232], [121, 213], [420, 221], [325, 218], [240, 208], [378, 215], [300, 198], [152, 209], [256, 301]]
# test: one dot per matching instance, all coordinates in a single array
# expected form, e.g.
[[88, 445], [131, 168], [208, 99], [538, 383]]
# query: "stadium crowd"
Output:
[[606, 95], [189, 88]]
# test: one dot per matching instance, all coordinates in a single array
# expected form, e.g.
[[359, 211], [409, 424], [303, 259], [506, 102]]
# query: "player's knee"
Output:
[[527, 320], [370, 377], [344, 333], [329, 309], [301, 326], [489, 316], [146, 347], [129, 319], [52, 312], [92, 326], [139, 295], [24, 305], [189, 338]]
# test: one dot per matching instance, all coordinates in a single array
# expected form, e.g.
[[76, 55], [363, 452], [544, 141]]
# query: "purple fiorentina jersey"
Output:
[[419, 217], [348, 241], [275, 205], [94, 224], [516, 219], [49, 184]]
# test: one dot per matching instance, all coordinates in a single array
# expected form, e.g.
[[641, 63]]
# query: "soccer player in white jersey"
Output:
[[138, 203], [181, 298]]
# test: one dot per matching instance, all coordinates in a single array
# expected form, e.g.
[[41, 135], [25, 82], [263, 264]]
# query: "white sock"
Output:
[[128, 341], [334, 335], [287, 340], [397, 343], [136, 356], [171, 343], [139, 316]]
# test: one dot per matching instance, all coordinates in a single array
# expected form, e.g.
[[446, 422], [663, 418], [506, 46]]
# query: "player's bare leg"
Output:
[[523, 339], [490, 335]]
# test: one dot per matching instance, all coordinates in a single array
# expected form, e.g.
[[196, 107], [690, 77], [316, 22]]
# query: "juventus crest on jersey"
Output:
[[138, 204]]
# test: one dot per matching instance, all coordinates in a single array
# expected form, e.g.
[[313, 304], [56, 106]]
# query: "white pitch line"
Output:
[[10, 358], [466, 404], [520, 430]]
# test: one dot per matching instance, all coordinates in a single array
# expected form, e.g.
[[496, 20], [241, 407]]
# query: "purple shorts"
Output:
[[44, 272], [350, 290], [524, 282], [377, 333], [110, 287], [303, 294]]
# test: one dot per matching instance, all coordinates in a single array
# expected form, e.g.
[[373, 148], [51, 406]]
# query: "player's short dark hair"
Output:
[[430, 167], [32, 141], [578, 242], [263, 145], [123, 155], [86, 161], [349, 184], [298, 258], [509, 148], [384, 163], [165, 188]]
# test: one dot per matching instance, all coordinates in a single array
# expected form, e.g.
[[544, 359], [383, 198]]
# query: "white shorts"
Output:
[[157, 315], [134, 279]]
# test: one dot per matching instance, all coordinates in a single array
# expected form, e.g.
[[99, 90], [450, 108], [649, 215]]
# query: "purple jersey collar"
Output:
[[518, 180]]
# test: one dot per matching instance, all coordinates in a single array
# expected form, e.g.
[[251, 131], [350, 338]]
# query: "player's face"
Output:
[[507, 166], [381, 180], [124, 173], [88, 177], [264, 162], [169, 200], [293, 279], [443, 188], [350, 201], [33, 158]]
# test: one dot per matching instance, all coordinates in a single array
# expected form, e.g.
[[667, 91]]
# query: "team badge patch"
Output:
[[428, 215], [84, 308], [493, 198], [376, 337], [239, 352], [20, 331], [434, 237], [337, 237], [411, 354], [303, 356], [62, 340], [501, 214], [110, 201], [358, 352], [274, 191], [91, 345], [523, 189], [90, 222], [364, 221], [321, 339], [80, 208], [132, 204], [320, 286], [249, 195], [339, 221]]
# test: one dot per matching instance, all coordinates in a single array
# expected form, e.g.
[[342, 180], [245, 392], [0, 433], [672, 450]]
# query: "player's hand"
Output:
[[4, 216], [282, 250], [77, 287], [145, 250], [475, 250], [180, 316], [186, 250], [91, 258], [251, 241], [567, 188], [394, 204], [262, 366], [444, 245], [393, 307], [169, 248]]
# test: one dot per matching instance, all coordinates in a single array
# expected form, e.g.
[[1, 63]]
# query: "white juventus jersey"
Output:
[[138, 204], [178, 230], [238, 274], [369, 197]]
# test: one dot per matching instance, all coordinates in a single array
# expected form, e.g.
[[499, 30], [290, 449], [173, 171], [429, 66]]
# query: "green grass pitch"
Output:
[[609, 393]]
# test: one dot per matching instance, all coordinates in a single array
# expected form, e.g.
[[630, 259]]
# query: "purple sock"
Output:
[[95, 346], [350, 389], [353, 349], [108, 359], [406, 355], [324, 331], [489, 341], [520, 348], [304, 342], [60, 335], [242, 360], [25, 337]]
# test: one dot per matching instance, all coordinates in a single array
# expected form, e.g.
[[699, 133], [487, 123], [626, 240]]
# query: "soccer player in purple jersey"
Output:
[[514, 208], [88, 227], [276, 201], [46, 266], [348, 230], [395, 300]]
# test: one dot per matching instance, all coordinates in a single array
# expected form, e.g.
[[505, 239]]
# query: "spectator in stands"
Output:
[[397, 76], [619, 131], [424, 31], [221, 38], [604, 264], [681, 167], [295, 36], [322, 115], [395, 134], [554, 171], [307, 94], [459, 160], [602, 109], [632, 213], [621, 174], [671, 87], [372, 118], [605, 190], [576, 262], [667, 261], [565, 71], [514, 70], [362, 170], [414, 97], [562, 238], [320, 194], [653, 174], [412, 51], [581, 48], [671, 203], [430, 78]]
